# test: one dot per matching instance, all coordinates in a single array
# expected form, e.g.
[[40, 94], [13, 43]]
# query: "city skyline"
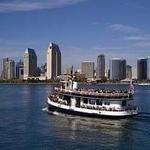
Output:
[[106, 28]]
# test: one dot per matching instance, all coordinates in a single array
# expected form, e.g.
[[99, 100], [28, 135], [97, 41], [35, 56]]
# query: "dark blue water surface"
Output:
[[24, 125]]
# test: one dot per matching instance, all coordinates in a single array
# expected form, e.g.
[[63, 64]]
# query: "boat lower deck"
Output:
[[52, 106]]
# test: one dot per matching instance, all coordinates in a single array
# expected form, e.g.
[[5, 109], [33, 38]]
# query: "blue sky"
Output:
[[82, 28]]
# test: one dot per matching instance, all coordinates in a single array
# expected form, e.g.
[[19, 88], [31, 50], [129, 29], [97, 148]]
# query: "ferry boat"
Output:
[[69, 99]]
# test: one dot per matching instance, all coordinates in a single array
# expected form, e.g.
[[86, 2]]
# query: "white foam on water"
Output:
[[45, 109]]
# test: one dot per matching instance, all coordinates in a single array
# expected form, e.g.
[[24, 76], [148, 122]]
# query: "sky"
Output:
[[83, 29]]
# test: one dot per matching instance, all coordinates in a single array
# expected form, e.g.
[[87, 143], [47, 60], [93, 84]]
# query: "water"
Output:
[[25, 124]]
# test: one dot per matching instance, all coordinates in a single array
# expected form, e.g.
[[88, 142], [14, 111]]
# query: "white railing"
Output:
[[93, 93]]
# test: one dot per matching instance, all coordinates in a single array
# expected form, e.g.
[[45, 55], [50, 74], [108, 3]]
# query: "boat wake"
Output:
[[143, 116], [96, 122], [56, 113], [45, 109]]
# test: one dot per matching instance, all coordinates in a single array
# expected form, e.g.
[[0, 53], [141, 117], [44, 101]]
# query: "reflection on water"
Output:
[[108, 133], [89, 129]]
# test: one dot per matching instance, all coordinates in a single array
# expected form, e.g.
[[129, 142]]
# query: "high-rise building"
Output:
[[5, 68], [43, 69], [87, 69], [53, 61], [128, 72], [8, 69], [142, 69], [68, 70], [11, 69], [122, 69], [117, 69], [100, 70], [148, 68], [30, 63], [19, 70]]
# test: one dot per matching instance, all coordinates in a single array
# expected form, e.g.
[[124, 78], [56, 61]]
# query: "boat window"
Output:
[[66, 97], [106, 103], [124, 103], [85, 100], [60, 96], [98, 102], [78, 102], [92, 101]]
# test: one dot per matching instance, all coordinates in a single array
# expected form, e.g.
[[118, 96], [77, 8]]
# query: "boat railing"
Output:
[[105, 94], [103, 108], [56, 99]]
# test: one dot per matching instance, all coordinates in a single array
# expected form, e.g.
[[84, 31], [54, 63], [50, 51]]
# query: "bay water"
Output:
[[26, 125]]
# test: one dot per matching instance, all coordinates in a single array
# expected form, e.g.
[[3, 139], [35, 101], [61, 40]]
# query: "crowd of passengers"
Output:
[[101, 90], [108, 108], [55, 98], [101, 93]]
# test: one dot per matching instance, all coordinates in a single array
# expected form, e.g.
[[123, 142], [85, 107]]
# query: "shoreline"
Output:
[[57, 83], [7, 83]]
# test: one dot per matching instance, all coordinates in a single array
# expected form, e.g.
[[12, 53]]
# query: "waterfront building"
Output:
[[142, 69], [108, 74], [53, 61], [128, 72], [5, 68], [38, 72], [123, 69], [87, 69], [148, 68], [11, 69], [43, 69], [30, 63], [68, 71], [100, 71], [117, 69], [19, 70], [8, 69], [1, 67]]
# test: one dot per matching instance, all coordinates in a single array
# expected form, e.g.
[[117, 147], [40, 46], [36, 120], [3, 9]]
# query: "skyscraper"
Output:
[[11, 69], [128, 72], [53, 61], [19, 70], [142, 69], [117, 69], [122, 69], [100, 70], [30, 63], [5, 68], [148, 68], [87, 69], [8, 69]]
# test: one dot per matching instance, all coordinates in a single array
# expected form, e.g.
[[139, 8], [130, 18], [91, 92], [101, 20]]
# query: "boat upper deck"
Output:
[[96, 93]]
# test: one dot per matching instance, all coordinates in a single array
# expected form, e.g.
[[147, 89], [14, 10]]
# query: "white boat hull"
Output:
[[53, 106]]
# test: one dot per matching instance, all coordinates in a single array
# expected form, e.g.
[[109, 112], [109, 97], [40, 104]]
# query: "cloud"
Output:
[[137, 38], [144, 44], [30, 5], [15, 48], [124, 28]]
